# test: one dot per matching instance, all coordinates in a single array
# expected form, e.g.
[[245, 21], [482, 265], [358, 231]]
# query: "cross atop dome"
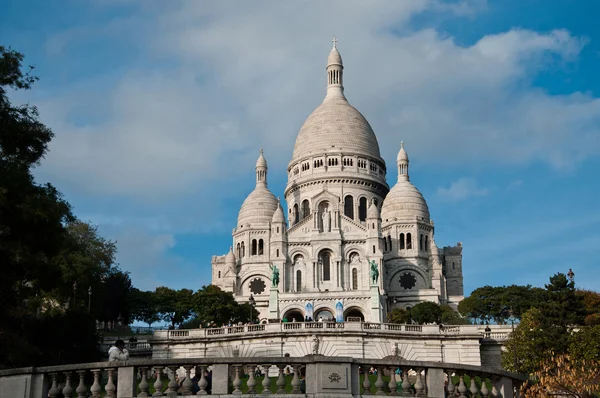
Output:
[[334, 41]]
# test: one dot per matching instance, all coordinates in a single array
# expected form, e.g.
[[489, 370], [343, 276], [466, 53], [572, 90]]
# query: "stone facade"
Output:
[[342, 220]]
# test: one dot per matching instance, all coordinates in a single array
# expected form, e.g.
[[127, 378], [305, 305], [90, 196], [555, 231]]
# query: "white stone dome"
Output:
[[404, 202], [337, 125], [278, 216], [258, 208]]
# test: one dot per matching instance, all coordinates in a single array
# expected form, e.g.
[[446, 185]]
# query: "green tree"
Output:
[[144, 307], [398, 315], [426, 312], [174, 306], [450, 317], [32, 218], [591, 301], [214, 305], [528, 346]]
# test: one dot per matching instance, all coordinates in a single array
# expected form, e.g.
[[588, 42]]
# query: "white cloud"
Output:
[[244, 78], [461, 189]]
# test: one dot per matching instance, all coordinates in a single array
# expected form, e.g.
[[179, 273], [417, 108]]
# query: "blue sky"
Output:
[[160, 108]]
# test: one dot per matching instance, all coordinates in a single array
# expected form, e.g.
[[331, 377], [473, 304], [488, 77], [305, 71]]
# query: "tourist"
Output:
[[118, 352]]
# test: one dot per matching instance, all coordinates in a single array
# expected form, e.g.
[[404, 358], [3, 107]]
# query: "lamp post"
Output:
[[74, 292], [89, 299], [252, 303]]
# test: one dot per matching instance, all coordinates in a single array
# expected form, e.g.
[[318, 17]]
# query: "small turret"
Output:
[[335, 73]]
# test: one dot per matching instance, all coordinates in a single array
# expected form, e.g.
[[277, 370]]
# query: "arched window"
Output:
[[426, 243], [253, 252], [296, 213], [326, 266], [408, 241], [219, 274], [349, 206], [239, 250], [354, 279], [401, 241], [362, 209], [261, 247], [385, 248], [305, 208], [453, 267], [298, 281], [243, 250], [389, 239], [421, 242], [277, 253]]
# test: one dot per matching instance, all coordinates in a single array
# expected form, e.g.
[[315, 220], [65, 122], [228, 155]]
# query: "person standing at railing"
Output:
[[118, 352]]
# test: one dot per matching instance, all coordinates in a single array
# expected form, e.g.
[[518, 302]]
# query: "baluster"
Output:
[[67, 389], [54, 391], [266, 381], [451, 387], [419, 385], [251, 380], [110, 385], [393, 384], [485, 393], [144, 386], [495, 392], [81, 389], [187, 385], [281, 380], [474, 390], [366, 382], [379, 384], [405, 383], [295, 380], [202, 383], [96, 387], [158, 384], [237, 382], [462, 388], [172, 386]]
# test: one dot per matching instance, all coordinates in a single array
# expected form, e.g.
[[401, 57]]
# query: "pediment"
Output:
[[349, 226], [326, 195]]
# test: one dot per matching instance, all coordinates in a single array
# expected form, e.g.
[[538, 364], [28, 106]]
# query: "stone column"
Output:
[[435, 379], [126, 382], [220, 379], [505, 387]]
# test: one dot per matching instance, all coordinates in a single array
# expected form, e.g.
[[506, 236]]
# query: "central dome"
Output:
[[337, 125]]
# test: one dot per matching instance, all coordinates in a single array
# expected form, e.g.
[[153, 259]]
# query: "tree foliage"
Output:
[[49, 259], [174, 306], [213, 305], [398, 315], [426, 312], [144, 307], [499, 304]]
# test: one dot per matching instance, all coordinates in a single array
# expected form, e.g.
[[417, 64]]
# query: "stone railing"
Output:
[[498, 332], [313, 376]]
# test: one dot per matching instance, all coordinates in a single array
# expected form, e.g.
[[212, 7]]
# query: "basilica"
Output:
[[348, 248]]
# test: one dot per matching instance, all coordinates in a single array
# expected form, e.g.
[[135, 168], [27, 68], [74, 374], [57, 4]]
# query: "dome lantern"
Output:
[[335, 73], [402, 162]]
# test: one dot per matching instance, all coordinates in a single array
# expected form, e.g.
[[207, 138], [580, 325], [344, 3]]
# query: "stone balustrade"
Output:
[[312, 375], [498, 332]]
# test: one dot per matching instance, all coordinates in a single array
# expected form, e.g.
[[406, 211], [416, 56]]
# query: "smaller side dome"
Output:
[[404, 201], [230, 257], [259, 206], [278, 217]]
